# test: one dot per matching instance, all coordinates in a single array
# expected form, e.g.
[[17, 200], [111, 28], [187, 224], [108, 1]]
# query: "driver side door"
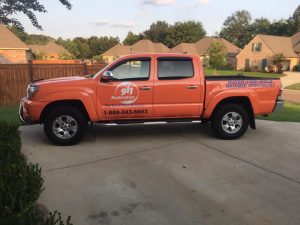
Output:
[[129, 94]]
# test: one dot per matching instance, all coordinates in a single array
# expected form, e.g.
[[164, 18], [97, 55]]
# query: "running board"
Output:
[[171, 121]]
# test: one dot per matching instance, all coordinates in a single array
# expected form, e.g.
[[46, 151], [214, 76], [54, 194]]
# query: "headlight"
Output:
[[32, 89]]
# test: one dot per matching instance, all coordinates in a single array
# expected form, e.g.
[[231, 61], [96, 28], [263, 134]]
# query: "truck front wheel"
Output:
[[65, 125], [230, 121]]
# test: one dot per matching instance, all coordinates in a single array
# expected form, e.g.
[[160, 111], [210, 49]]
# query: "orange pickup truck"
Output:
[[145, 88]]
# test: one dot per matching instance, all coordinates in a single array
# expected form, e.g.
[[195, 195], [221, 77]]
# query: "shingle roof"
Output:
[[280, 45], [147, 46], [118, 50], [142, 46], [50, 48], [186, 48], [9, 39], [296, 42], [203, 45]]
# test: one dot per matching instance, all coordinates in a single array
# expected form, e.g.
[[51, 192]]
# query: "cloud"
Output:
[[124, 25], [102, 22], [143, 12], [158, 2], [202, 2], [116, 25]]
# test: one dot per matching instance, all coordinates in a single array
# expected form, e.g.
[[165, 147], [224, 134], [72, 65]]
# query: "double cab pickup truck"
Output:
[[149, 87]]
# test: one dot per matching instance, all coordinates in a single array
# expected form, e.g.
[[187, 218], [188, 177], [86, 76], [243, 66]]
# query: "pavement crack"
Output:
[[237, 158], [114, 157]]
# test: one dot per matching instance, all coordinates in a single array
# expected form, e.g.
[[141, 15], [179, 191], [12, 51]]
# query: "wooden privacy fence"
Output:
[[14, 78]]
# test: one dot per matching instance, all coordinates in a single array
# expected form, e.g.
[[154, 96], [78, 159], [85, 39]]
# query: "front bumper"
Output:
[[278, 106], [30, 111]]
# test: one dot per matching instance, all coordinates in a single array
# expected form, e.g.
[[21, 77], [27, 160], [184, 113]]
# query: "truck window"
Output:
[[132, 70], [175, 68]]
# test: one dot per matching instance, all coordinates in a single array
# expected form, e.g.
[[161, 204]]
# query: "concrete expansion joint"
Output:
[[114, 157]]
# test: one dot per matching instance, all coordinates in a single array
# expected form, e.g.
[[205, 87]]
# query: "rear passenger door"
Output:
[[176, 88]]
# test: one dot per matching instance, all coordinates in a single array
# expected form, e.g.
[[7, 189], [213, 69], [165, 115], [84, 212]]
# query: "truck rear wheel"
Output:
[[65, 126], [230, 121]]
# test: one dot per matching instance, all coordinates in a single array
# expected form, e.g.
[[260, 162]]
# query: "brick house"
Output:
[[142, 46], [12, 49], [259, 52], [200, 48], [50, 51]]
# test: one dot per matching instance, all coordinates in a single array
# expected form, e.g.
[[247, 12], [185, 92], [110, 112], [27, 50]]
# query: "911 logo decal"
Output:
[[126, 92]]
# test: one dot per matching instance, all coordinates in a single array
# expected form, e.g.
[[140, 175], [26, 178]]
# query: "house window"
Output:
[[264, 64], [256, 47], [247, 63]]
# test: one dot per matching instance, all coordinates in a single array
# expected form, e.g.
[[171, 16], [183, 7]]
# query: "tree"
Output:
[[132, 38], [236, 28], [217, 55], [158, 31], [260, 26], [188, 32], [281, 27], [277, 60], [296, 19], [10, 8]]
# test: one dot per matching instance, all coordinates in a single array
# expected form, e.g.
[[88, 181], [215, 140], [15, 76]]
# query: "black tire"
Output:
[[78, 119], [235, 127]]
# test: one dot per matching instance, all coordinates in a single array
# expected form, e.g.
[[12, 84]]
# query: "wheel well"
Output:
[[242, 101], [73, 103]]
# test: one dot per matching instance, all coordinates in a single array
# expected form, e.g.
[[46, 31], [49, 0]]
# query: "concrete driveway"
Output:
[[172, 175]]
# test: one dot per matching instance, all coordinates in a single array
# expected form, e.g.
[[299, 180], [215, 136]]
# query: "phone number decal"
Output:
[[249, 83], [126, 112]]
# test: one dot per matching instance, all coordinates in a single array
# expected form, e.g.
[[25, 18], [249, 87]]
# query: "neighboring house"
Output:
[[200, 48], [185, 48], [259, 52], [12, 49], [50, 51], [142, 46]]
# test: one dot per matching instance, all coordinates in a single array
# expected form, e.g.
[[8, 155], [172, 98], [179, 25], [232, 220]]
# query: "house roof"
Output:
[[296, 42], [118, 50], [50, 48], [148, 46], [279, 45], [186, 48], [203, 45], [142, 46], [9, 40]]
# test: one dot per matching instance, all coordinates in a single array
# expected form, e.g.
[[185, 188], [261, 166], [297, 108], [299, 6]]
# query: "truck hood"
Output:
[[62, 80]]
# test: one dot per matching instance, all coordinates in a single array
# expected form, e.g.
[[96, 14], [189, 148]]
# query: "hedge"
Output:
[[21, 184]]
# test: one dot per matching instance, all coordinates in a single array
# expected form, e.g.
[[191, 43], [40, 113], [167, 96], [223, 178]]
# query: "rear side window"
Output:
[[175, 68]]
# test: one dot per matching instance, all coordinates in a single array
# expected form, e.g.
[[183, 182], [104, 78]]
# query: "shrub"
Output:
[[21, 183], [297, 68]]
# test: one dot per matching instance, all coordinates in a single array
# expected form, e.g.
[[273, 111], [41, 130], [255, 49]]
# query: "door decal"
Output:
[[126, 93]]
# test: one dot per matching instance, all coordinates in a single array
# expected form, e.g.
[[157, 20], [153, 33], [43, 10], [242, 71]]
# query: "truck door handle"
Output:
[[145, 88], [192, 87]]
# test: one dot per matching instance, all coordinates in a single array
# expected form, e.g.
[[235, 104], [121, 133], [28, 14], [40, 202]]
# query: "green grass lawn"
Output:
[[290, 113], [293, 87], [209, 71], [9, 114]]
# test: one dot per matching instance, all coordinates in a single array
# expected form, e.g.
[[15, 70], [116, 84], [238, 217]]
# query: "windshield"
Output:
[[104, 69]]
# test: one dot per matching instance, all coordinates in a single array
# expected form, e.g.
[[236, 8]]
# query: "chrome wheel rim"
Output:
[[65, 127], [232, 122]]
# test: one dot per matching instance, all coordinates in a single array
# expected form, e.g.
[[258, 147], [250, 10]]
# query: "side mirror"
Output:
[[107, 76]]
